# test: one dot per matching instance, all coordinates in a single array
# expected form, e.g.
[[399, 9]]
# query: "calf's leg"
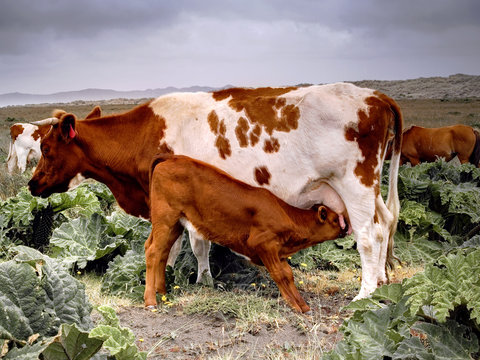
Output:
[[279, 270], [156, 255]]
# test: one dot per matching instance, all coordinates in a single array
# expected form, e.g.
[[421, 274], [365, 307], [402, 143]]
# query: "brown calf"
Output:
[[250, 221]]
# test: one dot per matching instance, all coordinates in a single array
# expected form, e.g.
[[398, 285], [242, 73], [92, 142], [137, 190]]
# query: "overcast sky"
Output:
[[49, 46]]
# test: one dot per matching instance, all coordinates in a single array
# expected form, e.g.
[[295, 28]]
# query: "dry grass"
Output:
[[437, 113], [97, 298]]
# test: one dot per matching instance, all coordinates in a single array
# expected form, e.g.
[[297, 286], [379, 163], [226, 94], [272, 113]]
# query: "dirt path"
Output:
[[174, 335]]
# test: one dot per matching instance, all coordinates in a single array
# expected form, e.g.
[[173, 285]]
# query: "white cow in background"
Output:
[[24, 145], [25, 139]]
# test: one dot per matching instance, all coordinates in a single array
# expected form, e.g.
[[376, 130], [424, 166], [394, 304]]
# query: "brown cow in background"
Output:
[[422, 144]]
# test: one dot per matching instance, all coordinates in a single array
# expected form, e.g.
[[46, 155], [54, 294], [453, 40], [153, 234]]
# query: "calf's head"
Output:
[[328, 225], [61, 158]]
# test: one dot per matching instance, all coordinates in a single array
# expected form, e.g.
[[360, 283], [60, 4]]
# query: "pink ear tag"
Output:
[[72, 133]]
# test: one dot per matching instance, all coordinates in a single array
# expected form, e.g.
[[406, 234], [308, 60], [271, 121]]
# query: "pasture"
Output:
[[242, 315]]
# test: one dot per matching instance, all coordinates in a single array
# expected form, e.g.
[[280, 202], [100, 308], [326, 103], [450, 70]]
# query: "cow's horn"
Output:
[[49, 121]]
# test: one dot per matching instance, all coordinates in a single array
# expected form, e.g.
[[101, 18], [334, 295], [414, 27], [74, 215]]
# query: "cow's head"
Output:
[[61, 158]]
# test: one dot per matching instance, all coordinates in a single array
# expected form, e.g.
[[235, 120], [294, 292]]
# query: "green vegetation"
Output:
[[433, 315], [44, 241]]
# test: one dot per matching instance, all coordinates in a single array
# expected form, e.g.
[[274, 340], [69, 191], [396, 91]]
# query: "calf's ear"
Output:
[[322, 213], [67, 127]]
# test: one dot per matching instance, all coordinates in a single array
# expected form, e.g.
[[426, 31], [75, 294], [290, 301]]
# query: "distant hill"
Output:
[[451, 87], [92, 95]]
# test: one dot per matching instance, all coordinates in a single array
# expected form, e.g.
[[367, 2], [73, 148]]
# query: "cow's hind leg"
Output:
[[201, 249], [174, 251]]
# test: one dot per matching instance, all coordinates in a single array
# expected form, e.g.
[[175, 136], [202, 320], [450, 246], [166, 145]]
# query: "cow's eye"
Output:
[[45, 150]]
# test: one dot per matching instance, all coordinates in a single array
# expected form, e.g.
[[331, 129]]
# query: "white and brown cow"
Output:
[[25, 139], [24, 145], [306, 145]]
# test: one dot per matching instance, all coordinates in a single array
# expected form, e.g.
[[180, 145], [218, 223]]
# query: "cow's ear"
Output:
[[95, 113], [67, 127], [322, 214]]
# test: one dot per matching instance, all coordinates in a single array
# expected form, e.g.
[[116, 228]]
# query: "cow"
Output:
[[25, 140], [422, 144], [24, 145], [249, 220], [295, 141]]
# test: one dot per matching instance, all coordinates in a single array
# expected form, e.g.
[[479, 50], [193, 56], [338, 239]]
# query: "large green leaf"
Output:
[[84, 239], [450, 341], [38, 295], [19, 209], [72, 343], [118, 340], [81, 198], [452, 281], [133, 229], [125, 276], [375, 334]]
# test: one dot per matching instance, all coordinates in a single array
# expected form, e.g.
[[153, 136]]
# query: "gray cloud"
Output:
[[48, 45]]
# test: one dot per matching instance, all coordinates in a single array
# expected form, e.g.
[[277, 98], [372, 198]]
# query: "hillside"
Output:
[[457, 86], [451, 87]]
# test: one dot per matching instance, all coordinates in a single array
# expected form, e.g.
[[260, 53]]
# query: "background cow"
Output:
[[293, 141], [25, 140], [428, 144], [24, 145]]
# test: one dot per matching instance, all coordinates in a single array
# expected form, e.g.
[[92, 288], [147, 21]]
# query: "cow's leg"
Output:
[[388, 226], [369, 247], [21, 158], [360, 202], [201, 249], [12, 158], [174, 251]]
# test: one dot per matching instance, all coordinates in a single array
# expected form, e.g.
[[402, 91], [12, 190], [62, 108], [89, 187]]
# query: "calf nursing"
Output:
[[250, 221]]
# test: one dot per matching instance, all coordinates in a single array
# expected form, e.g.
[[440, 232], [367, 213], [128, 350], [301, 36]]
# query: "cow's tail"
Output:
[[475, 155], [393, 202]]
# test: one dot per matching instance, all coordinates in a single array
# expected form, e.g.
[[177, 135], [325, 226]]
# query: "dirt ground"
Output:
[[174, 335]]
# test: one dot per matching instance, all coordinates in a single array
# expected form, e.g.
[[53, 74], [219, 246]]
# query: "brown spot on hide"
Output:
[[41, 132], [16, 130], [241, 132], [372, 136], [219, 128], [262, 175], [255, 135], [271, 145], [213, 121], [263, 108]]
